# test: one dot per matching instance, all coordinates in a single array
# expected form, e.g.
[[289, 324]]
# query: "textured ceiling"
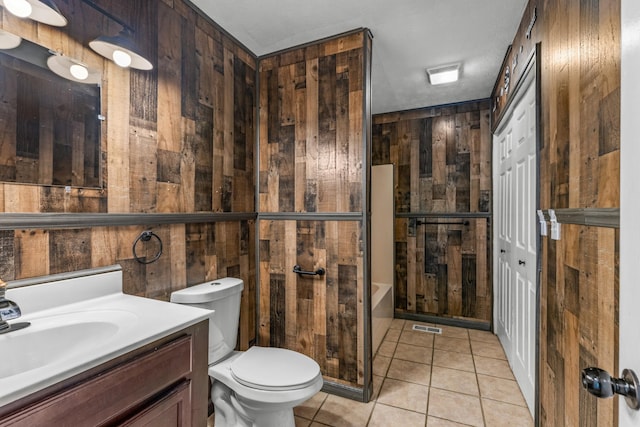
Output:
[[409, 36]]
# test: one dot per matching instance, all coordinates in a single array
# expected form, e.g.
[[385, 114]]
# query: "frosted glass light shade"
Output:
[[8, 40], [73, 70], [44, 11], [115, 48], [19, 8]]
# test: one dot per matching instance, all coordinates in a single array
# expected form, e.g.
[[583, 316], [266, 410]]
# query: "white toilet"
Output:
[[258, 387]]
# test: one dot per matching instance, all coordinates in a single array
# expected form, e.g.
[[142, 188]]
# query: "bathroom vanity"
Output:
[[148, 365]]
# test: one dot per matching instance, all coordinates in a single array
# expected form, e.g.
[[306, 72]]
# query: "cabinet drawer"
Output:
[[112, 393]]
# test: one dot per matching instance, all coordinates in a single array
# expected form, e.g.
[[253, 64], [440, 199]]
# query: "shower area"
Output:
[[382, 253], [440, 159]]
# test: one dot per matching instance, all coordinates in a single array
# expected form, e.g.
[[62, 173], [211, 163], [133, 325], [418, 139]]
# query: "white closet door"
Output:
[[516, 241]]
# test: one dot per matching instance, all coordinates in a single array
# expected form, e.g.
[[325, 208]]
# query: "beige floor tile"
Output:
[[413, 353], [453, 360], [380, 365], [439, 422], [340, 412], [454, 332], [385, 416], [402, 394], [499, 414], [452, 344], [493, 367], [302, 422], [387, 348], [317, 424], [500, 389], [377, 385], [392, 335], [456, 407], [454, 380], [422, 339], [485, 336], [488, 349], [397, 324], [413, 372], [309, 408]]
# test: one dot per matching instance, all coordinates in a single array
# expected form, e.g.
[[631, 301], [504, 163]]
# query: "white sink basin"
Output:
[[52, 339]]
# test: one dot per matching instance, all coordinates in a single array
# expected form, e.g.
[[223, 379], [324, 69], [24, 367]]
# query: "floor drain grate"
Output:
[[430, 329]]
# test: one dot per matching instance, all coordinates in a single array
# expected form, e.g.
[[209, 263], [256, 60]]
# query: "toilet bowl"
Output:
[[260, 387], [254, 388]]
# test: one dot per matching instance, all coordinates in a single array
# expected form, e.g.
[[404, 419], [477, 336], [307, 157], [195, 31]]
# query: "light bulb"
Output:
[[19, 8], [121, 58], [78, 71]]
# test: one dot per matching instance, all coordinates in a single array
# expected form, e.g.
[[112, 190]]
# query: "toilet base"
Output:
[[230, 412]]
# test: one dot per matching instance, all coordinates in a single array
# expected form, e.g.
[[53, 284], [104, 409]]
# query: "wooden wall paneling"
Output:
[[312, 126], [69, 250], [116, 91], [484, 278], [143, 168], [203, 153], [22, 198], [342, 131], [228, 139], [7, 126], [443, 165], [311, 148], [327, 183], [29, 245], [169, 91], [7, 256], [401, 279]]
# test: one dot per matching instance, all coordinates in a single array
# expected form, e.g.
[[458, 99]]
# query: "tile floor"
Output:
[[459, 378]]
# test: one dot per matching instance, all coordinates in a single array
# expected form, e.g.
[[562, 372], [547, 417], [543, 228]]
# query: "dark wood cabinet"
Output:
[[162, 384]]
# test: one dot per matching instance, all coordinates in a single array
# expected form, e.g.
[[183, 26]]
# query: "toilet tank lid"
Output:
[[208, 291]]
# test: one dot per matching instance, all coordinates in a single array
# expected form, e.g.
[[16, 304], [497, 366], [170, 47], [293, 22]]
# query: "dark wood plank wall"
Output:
[[579, 168], [320, 316], [442, 158], [311, 161], [177, 139]]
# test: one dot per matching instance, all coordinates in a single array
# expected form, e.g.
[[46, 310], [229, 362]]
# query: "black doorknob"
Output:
[[599, 383]]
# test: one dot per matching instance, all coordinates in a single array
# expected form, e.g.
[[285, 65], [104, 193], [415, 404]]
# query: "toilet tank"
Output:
[[222, 296]]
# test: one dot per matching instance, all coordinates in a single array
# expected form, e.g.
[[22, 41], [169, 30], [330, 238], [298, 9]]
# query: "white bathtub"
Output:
[[381, 311]]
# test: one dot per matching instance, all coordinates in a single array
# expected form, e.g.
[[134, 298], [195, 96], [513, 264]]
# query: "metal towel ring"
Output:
[[145, 236]]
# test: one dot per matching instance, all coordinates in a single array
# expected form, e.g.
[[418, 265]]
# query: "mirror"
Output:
[[49, 125]]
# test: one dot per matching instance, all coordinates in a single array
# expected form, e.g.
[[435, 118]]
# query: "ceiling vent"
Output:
[[443, 74]]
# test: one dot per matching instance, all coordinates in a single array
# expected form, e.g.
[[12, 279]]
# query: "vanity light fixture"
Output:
[[8, 40], [44, 11], [72, 69], [444, 74], [122, 50]]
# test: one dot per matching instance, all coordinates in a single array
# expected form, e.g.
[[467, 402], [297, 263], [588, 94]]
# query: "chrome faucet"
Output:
[[9, 310]]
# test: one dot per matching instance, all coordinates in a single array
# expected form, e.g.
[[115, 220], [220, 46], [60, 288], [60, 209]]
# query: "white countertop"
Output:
[[124, 323]]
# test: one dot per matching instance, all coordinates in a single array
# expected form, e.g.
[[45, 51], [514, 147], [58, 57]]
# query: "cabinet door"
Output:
[[105, 398], [171, 410]]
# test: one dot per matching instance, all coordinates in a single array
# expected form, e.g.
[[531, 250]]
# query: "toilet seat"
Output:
[[274, 369]]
